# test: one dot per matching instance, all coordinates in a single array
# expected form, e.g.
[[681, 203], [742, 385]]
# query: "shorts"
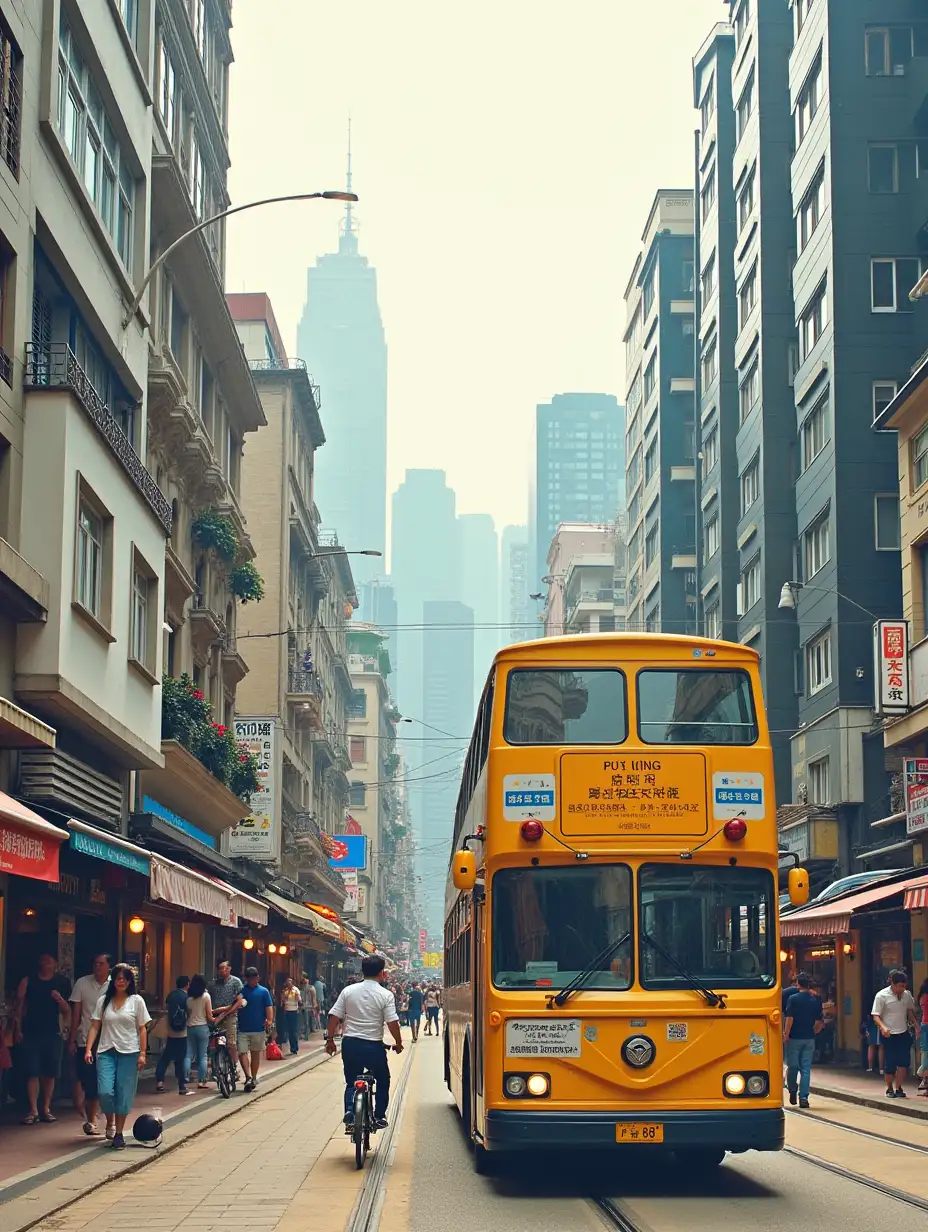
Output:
[[41, 1055], [85, 1074], [873, 1035], [229, 1027], [897, 1052], [251, 1041], [432, 1012]]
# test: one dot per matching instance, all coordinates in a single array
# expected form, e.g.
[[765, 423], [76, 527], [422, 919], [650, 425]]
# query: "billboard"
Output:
[[916, 794], [350, 878], [891, 666], [258, 834], [349, 851]]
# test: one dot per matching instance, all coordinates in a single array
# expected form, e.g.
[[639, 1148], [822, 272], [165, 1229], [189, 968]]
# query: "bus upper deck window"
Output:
[[577, 706], [694, 705]]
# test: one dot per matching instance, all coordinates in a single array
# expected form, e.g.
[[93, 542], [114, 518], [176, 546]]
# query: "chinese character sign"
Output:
[[891, 666], [916, 794], [423, 941], [258, 834]]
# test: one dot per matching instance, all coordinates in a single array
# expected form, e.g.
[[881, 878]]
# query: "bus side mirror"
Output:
[[798, 886], [464, 870]]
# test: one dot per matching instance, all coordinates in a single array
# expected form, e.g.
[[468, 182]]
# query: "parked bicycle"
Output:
[[222, 1067], [364, 1125]]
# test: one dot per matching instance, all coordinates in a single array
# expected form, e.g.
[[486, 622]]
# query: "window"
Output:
[[750, 585], [883, 394], [747, 296], [811, 209], [586, 706], [746, 199], [891, 280], [714, 621], [143, 614], [11, 70], [710, 363], [707, 106], [816, 547], [887, 50], [198, 22], [742, 21], [650, 377], [710, 450], [818, 662], [810, 97], [687, 277], [89, 582], [357, 794], [93, 145], [129, 11], [716, 925], [802, 8], [695, 706], [813, 321], [648, 294], [357, 749], [707, 196], [167, 92], [750, 486], [749, 390], [651, 544], [712, 535], [819, 785], [357, 704], [883, 168], [707, 279], [920, 458], [745, 107], [650, 462], [886, 518], [816, 431], [550, 924]]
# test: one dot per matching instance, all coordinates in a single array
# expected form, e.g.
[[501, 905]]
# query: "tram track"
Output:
[[615, 1216], [863, 1133], [847, 1174]]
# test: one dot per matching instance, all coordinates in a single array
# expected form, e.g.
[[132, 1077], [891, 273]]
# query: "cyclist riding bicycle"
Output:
[[365, 1009]]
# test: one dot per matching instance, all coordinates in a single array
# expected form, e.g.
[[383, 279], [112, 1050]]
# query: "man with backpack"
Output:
[[175, 1045]]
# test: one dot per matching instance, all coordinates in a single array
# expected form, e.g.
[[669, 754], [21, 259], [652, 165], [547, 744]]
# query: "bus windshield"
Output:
[[585, 706], [718, 923], [549, 924], [695, 706]]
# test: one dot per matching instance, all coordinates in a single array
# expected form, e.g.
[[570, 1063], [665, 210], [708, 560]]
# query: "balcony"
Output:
[[234, 667], [54, 367], [207, 627], [187, 788], [23, 590]]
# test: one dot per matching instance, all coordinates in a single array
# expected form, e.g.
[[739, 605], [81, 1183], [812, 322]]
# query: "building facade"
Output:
[[518, 609], [480, 587]]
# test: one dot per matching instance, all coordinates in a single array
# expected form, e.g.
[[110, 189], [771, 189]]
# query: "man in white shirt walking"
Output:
[[894, 1012], [85, 994], [365, 1009]]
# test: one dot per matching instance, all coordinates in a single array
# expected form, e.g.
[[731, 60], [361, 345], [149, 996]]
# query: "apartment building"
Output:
[[581, 594], [660, 477]]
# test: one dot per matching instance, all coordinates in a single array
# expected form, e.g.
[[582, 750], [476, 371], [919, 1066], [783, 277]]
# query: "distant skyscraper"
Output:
[[480, 590], [517, 608], [341, 338], [448, 686], [580, 466]]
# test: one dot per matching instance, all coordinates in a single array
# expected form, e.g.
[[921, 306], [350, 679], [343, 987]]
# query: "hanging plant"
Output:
[[184, 710], [243, 776], [246, 583], [187, 717], [212, 531]]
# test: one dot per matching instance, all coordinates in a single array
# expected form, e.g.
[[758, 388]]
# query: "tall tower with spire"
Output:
[[341, 337]]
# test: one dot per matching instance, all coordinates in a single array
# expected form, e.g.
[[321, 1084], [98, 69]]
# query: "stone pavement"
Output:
[[855, 1086]]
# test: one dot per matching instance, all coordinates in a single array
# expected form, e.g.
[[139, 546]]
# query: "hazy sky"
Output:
[[506, 153]]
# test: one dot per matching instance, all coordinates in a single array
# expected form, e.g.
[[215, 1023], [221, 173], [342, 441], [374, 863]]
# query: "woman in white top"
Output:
[[199, 1020], [291, 1002], [120, 1025]]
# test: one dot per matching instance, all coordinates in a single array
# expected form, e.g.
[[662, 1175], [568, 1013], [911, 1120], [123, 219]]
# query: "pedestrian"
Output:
[[923, 1038], [120, 1024], [432, 1007], [804, 1020], [402, 1005], [894, 1012], [308, 998], [322, 997], [364, 1010], [414, 1010], [41, 1000], [871, 1033], [175, 1044], [255, 1016], [788, 990], [85, 994], [199, 1019], [225, 993], [291, 1002]]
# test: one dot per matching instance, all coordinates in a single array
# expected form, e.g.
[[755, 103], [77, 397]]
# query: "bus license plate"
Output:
[[639, 1131]]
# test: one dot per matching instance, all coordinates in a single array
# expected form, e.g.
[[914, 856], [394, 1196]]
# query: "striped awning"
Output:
[[917, 895], [834, 919]]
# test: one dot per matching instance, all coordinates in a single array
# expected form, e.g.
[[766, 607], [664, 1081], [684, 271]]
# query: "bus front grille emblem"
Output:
[[638, 1051]]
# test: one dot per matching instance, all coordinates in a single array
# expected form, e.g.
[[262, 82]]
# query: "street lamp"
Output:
[[344, 552], [790, 590], [329, 195]]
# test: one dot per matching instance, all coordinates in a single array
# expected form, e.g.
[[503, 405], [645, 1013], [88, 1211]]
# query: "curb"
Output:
[[898, 1107], [211, 1114]]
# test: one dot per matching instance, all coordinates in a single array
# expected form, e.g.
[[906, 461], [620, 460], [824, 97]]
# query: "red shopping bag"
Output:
[[272, 1052]]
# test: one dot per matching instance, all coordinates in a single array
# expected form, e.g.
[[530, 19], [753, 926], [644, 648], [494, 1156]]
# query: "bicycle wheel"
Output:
[[222, 1068], [360, 1131]]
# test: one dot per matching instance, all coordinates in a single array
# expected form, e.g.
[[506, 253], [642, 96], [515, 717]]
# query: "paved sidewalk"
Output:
[[855, 1086]]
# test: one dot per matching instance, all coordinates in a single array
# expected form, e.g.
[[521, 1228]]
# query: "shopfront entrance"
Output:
[[885, 942]]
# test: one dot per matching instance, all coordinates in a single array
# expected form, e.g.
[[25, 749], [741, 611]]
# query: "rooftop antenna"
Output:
[[349, 227]]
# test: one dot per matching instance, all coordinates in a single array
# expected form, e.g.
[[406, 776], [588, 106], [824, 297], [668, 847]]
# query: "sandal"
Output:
[[91, 1130], [31, 1119], [47, 1119]]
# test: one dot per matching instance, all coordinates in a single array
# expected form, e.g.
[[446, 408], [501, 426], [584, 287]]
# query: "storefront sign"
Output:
[[350, 879], [916, 794], [180, 823], [112, 853], [349, 851], [257, 835], [891, 666], [28, 854], [423, 941]]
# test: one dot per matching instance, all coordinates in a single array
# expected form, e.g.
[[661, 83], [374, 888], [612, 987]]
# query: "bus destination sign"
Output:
[[638, 794]]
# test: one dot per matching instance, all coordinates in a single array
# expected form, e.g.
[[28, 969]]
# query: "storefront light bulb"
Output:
[[29, 912], [281, 950], [248, 943], [272, 948], [136, 925], [784, 955]]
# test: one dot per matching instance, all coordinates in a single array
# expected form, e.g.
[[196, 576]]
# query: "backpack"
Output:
[[177, 1014]]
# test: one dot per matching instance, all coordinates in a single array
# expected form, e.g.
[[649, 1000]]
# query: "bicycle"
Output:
[[222, 1067], [363, 1125]]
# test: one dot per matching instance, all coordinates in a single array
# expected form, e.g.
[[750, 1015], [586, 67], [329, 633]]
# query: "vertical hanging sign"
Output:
[[891, 667]]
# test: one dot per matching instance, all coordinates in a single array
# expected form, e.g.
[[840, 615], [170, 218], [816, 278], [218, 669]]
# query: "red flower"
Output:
[[198, 694]]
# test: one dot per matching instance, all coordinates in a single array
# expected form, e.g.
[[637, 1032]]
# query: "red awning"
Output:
[[834, 919], [917, 894], [29, 844]]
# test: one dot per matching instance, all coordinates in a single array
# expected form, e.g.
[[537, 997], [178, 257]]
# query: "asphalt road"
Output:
[[431, 1184]]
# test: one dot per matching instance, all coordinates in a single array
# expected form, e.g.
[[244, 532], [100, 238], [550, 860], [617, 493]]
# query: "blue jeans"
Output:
[[799, 1054], [197, 1044], [117, 1080], [356, 1055]]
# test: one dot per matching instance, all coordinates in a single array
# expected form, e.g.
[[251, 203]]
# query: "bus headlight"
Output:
[[744, 1085], [537, 1084], [757, 1084], [526, 1086], [515, 1085], [734, 1084]]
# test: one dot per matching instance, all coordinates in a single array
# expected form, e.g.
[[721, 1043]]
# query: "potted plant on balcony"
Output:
[[213, 532], [246, 583], [184, 711], [186, 716]]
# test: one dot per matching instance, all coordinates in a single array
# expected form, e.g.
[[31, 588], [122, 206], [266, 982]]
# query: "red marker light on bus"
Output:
[[531, 831], [735, 830]]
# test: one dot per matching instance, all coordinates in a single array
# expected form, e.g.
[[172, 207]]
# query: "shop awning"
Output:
[[100, 845], [916, 895], [834, 919], [29, 844], [182, 887], [245, 906], [298, 914]]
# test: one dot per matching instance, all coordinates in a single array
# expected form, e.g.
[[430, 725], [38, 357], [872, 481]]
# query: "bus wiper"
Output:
[[582, 976], [715, 999]]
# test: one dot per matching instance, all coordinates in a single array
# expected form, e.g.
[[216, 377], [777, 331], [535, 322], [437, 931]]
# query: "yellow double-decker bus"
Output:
[[611, 947]]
